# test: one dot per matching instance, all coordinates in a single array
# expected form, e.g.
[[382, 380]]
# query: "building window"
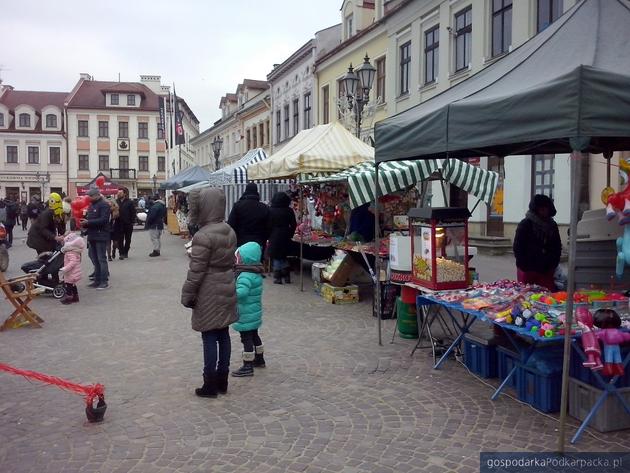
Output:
[[296, 116], [143, 163], [33, 155], [51, 121], [405, 62], [325, 105], [278, 126], [542, 172], [103, 129], [114, 99], [83, 128], [255, 136], [286, 121], [2, 120], [54, 155], [463, 38], [123, 130], [161, 164], [349, 26], [123, 164], [131, 99], [143, 130], [12, 154], [501, 26], [248, 139], [380, 79], [160, 132], [103, 162], [84, 162], [548, 12], [307, 111], [25, 120], [431, 54]]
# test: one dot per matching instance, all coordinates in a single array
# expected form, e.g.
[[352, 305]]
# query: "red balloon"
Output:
[[100, 182], [85, 200]]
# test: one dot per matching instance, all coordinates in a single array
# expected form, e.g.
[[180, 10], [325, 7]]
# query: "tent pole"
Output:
[[446, 203], [377, 262], [301, 237], [576, 166]]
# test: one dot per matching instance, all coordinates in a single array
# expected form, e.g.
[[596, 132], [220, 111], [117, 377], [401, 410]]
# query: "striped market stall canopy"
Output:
[[399, 175], [236, 173]]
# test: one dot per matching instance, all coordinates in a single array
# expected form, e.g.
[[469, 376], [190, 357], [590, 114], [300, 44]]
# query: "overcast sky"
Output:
[[205, 47]]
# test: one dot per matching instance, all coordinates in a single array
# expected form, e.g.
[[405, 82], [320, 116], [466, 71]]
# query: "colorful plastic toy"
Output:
[[590, 343], [609, 322]]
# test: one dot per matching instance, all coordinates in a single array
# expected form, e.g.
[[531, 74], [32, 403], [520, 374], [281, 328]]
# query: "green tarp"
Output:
[[566, 88]]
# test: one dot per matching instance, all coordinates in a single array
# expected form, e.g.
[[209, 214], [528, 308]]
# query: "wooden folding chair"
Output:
[[20, 300]]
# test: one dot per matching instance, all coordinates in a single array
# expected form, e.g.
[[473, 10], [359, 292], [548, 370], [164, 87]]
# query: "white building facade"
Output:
[[33, 158]]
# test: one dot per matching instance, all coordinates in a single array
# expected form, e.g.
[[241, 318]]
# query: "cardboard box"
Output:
[[340, 295], [344, 271], [316, 271]]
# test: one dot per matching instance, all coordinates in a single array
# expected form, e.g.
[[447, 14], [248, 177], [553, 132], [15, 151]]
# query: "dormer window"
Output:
[[114, 99], [25, 120], [51, 121], [2, 120], [349, 25], [131, 100]]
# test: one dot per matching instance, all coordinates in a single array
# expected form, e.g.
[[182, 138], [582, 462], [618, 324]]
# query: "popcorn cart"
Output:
[[439, 245]]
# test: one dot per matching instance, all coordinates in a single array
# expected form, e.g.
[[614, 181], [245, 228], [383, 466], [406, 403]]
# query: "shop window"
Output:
[[543, 174]]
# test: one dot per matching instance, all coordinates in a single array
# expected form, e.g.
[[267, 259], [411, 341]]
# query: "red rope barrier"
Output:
[[90, 392]]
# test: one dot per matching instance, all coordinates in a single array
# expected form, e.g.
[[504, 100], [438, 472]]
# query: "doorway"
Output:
[[13, 193], [495, 209]]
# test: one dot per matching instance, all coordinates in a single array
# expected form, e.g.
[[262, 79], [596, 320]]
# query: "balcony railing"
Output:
[[123, 173]]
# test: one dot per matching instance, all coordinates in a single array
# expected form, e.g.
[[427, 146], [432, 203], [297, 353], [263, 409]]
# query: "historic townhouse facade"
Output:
[[292, 85], [33, 158]]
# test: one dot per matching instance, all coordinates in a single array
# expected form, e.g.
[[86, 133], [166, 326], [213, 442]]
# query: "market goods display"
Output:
[[447, 270]]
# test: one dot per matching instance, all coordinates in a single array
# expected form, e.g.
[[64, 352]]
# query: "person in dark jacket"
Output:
[[155, 223], [35, 208], [537, 244], [126, 220], [24, 214], [282, 227], [43, 232], [96, 225], [250, 218], [10, 219]]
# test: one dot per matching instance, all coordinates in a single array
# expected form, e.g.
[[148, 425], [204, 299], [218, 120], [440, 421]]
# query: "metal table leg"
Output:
[[468, 320], [524, 356]]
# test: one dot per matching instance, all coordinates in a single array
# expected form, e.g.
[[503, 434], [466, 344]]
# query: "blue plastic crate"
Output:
[[506, 359], [585, 375], [480, 356], [540, 389]]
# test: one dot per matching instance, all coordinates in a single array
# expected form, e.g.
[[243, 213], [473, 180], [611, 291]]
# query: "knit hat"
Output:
[[93, 192]]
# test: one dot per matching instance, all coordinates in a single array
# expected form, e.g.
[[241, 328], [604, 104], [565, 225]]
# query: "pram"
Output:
[[46, 267]]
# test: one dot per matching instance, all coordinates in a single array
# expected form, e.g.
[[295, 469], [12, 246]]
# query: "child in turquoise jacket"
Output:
[[249, 289]]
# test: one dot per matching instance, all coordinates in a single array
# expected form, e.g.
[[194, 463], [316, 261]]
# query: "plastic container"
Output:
[[408, 295], [610, 416], [407, 321], [480, 356], [506, 359], [541, 390]]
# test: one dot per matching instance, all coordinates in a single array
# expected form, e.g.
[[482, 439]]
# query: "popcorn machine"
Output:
[[439, 245]]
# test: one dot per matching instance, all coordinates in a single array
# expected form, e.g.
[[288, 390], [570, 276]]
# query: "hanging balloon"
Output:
[[100, 182]]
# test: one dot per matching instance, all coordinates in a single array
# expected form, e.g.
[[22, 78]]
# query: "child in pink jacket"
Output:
[[72, 249]]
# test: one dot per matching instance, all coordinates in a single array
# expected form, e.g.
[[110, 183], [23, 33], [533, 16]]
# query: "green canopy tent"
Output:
[[567, 90]]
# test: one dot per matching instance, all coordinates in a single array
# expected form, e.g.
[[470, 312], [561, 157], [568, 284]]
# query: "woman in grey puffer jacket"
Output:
[[209, 289]]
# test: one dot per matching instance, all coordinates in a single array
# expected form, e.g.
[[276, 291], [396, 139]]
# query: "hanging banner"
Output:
[[162, 122]]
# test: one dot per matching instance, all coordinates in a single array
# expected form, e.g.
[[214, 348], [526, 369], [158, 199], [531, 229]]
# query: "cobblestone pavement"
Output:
[[330, 400]]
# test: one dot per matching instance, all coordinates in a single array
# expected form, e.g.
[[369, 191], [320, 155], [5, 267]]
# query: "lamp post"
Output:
[[42, 179], [154, 184], [358, 85], [217, 144]]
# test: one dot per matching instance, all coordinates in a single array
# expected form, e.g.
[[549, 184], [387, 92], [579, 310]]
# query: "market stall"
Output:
[[563, 91], [187, 177]]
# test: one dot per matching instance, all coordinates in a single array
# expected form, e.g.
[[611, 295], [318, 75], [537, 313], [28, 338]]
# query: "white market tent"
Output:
[[321, 149]]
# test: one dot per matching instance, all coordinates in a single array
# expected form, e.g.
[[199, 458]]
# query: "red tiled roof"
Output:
[[37, 100], [91, 94]]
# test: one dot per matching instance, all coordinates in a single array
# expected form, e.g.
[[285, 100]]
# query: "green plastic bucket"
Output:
[[407, 322]]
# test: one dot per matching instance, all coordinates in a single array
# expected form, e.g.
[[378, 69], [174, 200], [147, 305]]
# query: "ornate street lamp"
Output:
[[42, 179], [358, 85], [217, 144]]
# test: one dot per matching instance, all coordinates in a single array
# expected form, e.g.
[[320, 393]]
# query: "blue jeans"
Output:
[[211, 363], [279, 264], [98, 255], [612, 354]]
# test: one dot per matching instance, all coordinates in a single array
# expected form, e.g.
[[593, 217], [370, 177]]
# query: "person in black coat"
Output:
[[97, 226], [126, 220], [10, 219], [537, 244], [155, 224], [43, 232], [282, 226], [249, 218]]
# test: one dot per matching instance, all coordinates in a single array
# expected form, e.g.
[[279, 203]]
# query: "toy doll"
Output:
[[590, 343], [609, 322]]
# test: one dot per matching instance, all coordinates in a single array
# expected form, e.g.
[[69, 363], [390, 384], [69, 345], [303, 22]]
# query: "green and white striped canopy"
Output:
[[395, 176]]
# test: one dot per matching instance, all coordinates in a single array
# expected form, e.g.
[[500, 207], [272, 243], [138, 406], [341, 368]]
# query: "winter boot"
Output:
[[277, 277], [67, 298], [222, 382], [154, 254], [248, 366], [286, 274], [75, 294], [259, 359], [209, 388]]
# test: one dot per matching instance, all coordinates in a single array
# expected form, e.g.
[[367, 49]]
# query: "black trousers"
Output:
[[250, 339], [124, 242]]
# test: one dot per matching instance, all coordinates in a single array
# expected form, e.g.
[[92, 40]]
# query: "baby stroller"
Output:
[[46, 267]]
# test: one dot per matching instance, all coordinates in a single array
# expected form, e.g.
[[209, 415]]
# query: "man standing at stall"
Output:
[[96, 224], [249, 218], [127, 218]]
